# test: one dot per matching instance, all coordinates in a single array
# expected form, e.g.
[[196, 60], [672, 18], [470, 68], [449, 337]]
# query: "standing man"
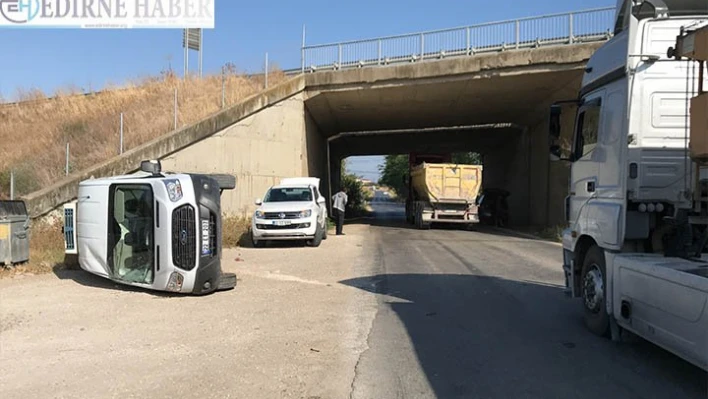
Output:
[[339, 204]]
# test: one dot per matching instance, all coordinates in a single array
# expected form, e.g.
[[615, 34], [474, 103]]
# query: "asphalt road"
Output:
[[383, 312], [481, 314]]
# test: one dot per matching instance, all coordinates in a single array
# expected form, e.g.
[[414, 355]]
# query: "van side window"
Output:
[[588, 127]]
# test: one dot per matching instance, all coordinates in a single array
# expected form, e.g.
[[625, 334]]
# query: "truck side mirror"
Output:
[[259, 202], [554, 124]]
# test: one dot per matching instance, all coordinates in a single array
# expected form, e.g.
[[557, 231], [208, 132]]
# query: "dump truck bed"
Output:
[[446, 182]]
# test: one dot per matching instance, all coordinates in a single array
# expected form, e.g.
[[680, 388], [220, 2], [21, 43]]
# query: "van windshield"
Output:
[[287, 194], [131, 234]]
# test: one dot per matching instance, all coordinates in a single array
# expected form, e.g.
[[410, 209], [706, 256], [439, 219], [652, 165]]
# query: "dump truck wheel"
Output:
[[226, 182]]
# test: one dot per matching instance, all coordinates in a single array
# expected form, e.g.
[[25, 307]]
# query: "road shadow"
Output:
[[487, 337], [87, 279]]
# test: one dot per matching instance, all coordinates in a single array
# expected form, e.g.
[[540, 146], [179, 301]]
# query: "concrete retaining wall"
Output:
[[44, 201], [259, 150]]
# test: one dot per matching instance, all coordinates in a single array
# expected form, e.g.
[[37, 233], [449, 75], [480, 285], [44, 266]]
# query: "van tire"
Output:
[[225, 181]]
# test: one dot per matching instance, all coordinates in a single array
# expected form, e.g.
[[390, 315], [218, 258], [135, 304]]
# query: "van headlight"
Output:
[[306, 213], [259, 214], [174, 189]]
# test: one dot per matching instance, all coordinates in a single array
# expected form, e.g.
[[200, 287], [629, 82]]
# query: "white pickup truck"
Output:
[[292, 210]]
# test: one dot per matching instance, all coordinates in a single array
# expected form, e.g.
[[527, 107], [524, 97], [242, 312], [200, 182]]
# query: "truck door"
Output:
[[585, 169]]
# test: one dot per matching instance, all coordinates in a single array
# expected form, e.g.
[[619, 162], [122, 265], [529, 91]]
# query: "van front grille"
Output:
[[184, 237]]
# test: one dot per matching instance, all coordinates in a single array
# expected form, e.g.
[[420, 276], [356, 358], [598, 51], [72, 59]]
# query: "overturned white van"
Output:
[[155, 230]]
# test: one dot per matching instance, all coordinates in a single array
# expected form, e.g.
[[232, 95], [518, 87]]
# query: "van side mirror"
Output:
[[259, 202], [320, 200]]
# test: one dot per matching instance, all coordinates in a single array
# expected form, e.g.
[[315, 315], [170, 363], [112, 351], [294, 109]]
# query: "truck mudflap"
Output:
[[569, 273]]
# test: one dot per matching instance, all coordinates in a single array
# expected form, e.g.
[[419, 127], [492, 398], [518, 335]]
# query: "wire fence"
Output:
[[57, 138], [557, 29]]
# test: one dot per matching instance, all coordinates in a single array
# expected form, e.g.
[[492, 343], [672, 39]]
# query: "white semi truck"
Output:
[[637, 209]]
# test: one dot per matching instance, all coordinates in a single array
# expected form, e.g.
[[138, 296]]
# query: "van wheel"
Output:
[[325, 228], [593, 285], [315, 242]]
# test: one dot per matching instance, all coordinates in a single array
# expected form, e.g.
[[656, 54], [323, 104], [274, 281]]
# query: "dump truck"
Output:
[[440, 191]]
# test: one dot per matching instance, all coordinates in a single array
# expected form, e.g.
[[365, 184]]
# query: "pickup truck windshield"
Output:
[[298, 194], [131, 233]]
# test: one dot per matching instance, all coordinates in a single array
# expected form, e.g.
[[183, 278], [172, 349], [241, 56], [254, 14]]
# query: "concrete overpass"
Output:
[[494, 103]]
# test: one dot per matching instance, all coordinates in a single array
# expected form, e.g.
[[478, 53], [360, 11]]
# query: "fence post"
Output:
[[12, 184], [570, 28], [518, 32], [339, 56], [302, 50], [121, 133], [469, 41], [223, 86], [266, 71], [380, 52], [66, 166], [175, 109], [422, 47]]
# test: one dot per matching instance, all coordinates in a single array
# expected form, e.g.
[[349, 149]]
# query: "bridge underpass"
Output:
[[289, 130], [497, 106], [501, 145]]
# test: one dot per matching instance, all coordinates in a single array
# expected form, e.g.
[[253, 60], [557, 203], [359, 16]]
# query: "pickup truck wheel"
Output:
[[315, 242], [257, 243], [593, 292], [324, 231]]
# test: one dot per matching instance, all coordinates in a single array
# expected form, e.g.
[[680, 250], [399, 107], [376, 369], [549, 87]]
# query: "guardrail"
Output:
[[555, 29]]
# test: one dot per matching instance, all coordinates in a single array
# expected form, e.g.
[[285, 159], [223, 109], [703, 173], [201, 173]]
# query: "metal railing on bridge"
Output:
[[556, 29]]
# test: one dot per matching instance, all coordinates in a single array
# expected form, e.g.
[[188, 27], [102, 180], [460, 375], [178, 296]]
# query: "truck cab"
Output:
[[634, 247]]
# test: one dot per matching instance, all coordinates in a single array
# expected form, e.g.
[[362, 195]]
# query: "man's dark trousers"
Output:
[[339, 219]]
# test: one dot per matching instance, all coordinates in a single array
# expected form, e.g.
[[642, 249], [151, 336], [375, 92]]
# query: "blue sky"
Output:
[[244, 32]]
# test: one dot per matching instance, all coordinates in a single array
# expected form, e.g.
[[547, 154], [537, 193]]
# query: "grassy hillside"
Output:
[[34, 134]]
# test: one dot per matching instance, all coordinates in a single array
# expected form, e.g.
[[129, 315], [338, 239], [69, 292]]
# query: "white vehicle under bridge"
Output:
[[154, 230]]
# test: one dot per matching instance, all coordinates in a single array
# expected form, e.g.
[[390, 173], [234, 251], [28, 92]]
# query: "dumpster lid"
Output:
[[12, 208]]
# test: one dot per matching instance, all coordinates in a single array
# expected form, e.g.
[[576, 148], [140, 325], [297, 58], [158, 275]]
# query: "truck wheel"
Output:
[[226, 182], [418, 217], [257, 243], [593, 283], [324, 231]]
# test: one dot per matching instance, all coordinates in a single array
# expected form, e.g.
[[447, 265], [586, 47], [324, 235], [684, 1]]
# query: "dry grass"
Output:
[[46, 251], [234, 230], [40, 130]]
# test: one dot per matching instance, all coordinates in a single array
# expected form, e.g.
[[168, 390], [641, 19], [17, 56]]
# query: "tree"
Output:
[[467, 158], [394, 174]]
